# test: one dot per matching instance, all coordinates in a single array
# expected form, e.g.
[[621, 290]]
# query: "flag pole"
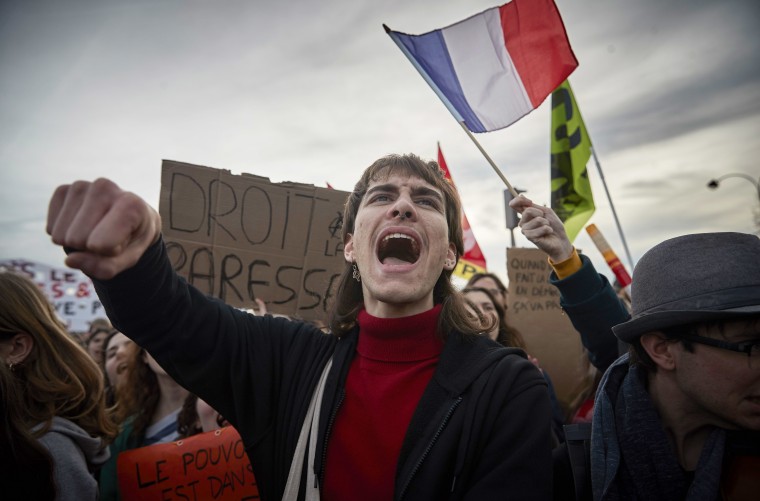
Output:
[[495, 168], [612, 206]]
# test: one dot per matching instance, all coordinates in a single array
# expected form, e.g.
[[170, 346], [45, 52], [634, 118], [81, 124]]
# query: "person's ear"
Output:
[[348, 248], [660, 349], [451, 258], [21, 346]]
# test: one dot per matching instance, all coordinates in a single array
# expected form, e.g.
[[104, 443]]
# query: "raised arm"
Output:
[[104, 228], [586, 296], [543, 227], [255, 370]]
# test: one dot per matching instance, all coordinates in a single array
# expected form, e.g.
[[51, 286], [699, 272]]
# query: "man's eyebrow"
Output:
[[426, 191], [416, 190], [382, 187]]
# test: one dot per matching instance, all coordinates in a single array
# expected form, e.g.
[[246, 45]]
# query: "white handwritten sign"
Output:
[[70, 291]]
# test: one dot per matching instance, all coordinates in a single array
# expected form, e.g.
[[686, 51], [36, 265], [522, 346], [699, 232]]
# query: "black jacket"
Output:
[[593, 308], [480, 431]]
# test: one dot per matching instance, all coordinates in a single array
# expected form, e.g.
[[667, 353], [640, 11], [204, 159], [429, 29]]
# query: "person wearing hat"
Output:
[[678, 416]]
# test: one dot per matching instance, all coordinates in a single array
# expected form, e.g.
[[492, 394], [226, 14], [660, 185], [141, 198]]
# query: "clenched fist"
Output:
[[105, 229]]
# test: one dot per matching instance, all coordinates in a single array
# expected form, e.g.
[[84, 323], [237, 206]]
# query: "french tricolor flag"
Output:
[[495, 67]]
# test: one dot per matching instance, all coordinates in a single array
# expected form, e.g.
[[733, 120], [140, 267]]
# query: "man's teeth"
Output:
[[396, 235]]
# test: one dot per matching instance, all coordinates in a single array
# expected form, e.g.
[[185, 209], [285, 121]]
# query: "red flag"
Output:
[[473, 260]]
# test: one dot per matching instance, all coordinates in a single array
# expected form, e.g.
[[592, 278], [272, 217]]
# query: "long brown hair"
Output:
[[188, 422], [58, 377], [110, 390], [138, 395], [349, 299]]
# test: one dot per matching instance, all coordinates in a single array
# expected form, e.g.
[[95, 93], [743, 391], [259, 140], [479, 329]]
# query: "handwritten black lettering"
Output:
[[229, 199], [262, 207], [190, 219], [230, 261], [310, 292], [202, 257], [177, 255], [282, 270]]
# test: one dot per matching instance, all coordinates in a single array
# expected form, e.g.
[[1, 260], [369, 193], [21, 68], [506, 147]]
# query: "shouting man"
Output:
[[411, 402]]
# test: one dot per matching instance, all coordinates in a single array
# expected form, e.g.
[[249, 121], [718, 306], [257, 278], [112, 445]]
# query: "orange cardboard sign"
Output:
[[211, 465]]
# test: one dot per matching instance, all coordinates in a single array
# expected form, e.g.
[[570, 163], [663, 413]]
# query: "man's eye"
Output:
[[428, 202], [380, 198]]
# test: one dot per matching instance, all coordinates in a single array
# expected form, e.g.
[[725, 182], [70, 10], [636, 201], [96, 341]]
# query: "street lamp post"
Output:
[[714, 183]]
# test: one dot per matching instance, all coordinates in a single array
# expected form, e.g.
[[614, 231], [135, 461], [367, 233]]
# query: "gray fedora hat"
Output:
[[694, 278]]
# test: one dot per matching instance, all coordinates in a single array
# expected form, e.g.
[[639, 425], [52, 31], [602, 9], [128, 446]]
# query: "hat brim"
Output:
[[632, 329]]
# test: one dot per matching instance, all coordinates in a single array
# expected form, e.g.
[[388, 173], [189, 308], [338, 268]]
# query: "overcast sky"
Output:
[[312, 92]]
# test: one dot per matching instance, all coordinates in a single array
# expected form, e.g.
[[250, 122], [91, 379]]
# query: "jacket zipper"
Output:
[[430, 445], [327, 437]]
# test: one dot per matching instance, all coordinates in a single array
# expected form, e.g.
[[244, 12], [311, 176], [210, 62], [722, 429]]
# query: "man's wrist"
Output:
[[568, 266]]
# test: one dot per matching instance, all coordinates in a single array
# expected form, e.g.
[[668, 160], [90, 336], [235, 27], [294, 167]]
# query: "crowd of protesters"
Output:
[[71, 403], [658, 428]]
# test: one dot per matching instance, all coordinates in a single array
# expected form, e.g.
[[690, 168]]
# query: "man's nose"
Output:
[[403, 209]]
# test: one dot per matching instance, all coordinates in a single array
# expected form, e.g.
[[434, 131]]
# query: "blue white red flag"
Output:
[[495, 67]]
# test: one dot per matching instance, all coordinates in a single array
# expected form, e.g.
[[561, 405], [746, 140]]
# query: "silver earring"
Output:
[[357, 276], [11, 366]]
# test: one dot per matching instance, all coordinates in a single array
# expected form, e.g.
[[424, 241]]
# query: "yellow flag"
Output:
[[571, 197]]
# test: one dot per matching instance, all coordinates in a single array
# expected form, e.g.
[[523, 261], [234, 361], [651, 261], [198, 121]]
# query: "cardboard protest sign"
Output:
[[211, 465], [533, 309], [238, 237], [69, 291]]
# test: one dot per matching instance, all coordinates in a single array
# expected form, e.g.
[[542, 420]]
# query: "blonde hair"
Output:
[[58, 377]]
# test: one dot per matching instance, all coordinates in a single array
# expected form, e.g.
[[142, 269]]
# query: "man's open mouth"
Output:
[[398, 248]]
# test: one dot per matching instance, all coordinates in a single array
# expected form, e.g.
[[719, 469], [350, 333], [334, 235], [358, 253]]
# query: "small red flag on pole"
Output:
[[472, 261]]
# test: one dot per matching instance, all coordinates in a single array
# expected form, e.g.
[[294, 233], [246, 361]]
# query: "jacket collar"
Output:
[[464, 358]]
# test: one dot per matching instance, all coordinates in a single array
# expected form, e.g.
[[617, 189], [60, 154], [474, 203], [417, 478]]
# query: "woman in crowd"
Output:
[[116, 349], [100, 328], [492, 284], [490, 307], [148, 404], [59, 388]]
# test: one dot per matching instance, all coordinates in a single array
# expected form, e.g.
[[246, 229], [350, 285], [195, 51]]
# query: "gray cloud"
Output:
[[314, 91]]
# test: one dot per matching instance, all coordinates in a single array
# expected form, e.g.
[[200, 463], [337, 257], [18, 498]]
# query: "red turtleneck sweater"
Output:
[[395, 359]]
